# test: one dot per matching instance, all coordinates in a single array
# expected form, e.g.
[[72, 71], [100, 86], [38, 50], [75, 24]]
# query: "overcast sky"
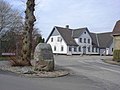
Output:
[[96, 15]]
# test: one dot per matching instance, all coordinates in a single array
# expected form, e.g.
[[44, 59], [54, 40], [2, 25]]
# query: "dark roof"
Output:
[[101, 40], [94, 39], [105, 39], [116, 30], [78, 32], [67, 35]]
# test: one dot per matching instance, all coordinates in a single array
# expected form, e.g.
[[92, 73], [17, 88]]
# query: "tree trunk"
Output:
[[27, 34]]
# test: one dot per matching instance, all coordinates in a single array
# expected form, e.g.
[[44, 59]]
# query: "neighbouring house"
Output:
[[116, 36], [80, 41]]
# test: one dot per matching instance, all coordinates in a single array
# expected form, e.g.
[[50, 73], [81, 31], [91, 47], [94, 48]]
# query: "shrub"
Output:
[[15, 61], [116, 55]]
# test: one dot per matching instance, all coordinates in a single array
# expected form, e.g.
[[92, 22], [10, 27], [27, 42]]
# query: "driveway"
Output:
[[87, 73]]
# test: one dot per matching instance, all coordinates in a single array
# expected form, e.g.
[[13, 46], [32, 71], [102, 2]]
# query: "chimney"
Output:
[[67, 26]]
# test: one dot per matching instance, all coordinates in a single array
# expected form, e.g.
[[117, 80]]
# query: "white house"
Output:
[[79, 41]]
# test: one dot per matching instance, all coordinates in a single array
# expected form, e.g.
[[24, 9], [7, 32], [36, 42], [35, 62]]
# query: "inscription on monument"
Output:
[[47, 54]]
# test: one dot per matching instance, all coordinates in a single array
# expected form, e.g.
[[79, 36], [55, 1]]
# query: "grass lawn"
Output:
[[4, 58]]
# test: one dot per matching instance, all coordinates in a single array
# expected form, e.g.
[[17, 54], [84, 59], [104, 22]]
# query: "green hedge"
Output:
[[116, 55]]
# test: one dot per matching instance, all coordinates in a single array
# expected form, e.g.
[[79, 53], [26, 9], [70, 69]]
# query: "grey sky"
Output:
[[97, 15]]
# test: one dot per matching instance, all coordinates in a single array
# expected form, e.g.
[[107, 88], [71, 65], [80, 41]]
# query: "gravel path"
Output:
[[29, 71]]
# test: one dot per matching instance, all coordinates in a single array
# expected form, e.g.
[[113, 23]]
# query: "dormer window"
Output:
[[59, 39], [80, 40], [84, 32], [84, 40], [88, 40]]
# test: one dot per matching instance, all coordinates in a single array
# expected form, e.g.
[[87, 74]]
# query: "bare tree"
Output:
[[37, 38], [28, 29], [9, 19]]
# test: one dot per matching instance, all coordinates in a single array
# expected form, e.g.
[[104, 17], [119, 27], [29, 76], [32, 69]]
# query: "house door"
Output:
[[84, 50]]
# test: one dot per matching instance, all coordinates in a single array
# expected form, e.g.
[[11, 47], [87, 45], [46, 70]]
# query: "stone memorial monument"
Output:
[[43, 56]]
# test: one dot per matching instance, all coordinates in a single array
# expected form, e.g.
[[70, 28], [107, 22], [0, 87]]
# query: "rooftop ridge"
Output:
[[104, 33]]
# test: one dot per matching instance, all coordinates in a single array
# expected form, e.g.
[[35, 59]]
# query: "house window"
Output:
[[75, 49], [79, 48], [51, 39], [92, 49], [84, 40], [59, 39], [84, 32], [96, 50], [80, 40], [62, 48], [70, 49], [112, 49], [88, 49], [54, 48], [88, 40]]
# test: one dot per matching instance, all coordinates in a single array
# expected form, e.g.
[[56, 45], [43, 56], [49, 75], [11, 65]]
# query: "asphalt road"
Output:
[[92, 67], [87, 73]]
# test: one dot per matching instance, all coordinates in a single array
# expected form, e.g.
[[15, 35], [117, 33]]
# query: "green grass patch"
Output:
[[4, 58]]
